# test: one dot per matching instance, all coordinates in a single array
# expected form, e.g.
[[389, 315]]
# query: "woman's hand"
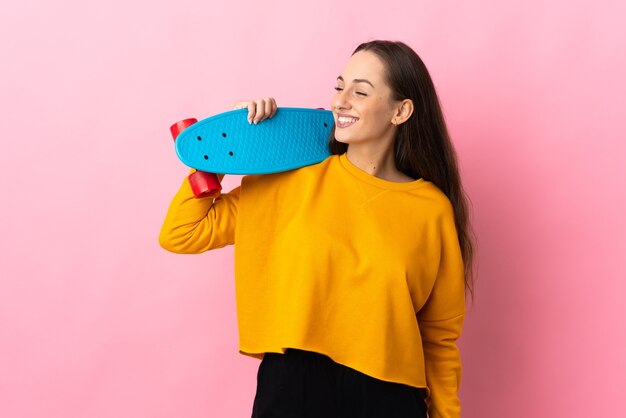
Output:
[[258, 110]]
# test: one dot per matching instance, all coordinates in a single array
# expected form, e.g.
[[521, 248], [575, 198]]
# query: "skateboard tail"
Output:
[[202, 184]]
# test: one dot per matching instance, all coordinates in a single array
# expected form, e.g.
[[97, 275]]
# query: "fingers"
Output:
[[269, 107], [259, 110], [251, 111], [273, 107]]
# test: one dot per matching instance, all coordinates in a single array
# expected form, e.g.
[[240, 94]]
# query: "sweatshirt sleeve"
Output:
[[440, 321], [194, 225]]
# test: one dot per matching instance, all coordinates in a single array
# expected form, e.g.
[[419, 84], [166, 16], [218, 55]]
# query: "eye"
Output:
[[338, 88], [361, 93]]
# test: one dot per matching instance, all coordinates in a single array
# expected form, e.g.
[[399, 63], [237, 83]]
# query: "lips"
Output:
[[344, 121]]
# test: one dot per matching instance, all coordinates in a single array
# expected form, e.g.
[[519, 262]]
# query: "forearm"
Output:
[[193, 225], [443, 365]]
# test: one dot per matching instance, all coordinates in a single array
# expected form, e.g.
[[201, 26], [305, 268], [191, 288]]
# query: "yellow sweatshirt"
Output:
[[331, 259]]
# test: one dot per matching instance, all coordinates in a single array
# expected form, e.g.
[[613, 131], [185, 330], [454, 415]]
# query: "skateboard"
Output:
[[226, 143]]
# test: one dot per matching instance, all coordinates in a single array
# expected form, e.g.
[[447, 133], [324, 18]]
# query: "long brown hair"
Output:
[[422, 146]]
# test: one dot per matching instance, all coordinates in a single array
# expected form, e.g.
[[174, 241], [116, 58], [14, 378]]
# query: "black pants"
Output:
[[305, 384]]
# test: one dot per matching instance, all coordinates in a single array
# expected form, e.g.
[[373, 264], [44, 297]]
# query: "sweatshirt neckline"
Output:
[[376, 181]]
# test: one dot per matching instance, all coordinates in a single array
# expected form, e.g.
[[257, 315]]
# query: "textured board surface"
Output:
[[226, 143]]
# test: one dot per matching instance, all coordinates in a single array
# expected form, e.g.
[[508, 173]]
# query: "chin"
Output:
[[346, 139]]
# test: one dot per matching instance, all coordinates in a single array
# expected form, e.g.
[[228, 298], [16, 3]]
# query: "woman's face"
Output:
[[363, 107]]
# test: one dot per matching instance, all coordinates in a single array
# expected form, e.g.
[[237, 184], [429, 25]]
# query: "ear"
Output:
[[403, 112]]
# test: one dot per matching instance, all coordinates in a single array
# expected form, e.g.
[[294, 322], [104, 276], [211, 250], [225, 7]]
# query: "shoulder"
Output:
[[433, 199], [310, 170]]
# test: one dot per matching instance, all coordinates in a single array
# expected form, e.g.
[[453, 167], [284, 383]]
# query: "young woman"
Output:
[[351, 273]]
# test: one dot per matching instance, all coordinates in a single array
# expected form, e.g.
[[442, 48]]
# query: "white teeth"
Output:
[[344, 119]]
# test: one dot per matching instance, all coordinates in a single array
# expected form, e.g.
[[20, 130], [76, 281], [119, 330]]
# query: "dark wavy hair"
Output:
[[422, 146]]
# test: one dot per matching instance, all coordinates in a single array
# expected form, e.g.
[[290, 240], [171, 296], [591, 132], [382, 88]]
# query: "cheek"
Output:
[[377, 119]]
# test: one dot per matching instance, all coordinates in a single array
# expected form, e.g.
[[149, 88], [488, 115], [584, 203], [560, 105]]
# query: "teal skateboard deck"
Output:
[[226, 143]]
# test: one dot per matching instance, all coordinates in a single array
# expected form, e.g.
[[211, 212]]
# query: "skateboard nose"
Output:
[[180, 126]]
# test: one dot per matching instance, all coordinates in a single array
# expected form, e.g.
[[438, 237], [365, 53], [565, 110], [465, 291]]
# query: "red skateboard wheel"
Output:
[[180, 126], [204, 184]]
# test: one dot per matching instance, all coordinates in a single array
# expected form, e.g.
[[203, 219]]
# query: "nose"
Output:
[[340, 101]]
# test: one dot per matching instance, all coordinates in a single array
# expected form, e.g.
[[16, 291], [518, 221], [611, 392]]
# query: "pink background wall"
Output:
[[97, 321]]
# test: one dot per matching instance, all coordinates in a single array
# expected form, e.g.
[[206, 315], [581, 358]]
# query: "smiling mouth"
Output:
[[345, 121]]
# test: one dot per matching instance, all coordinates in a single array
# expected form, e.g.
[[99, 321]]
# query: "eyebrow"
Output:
[[357, 80]]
